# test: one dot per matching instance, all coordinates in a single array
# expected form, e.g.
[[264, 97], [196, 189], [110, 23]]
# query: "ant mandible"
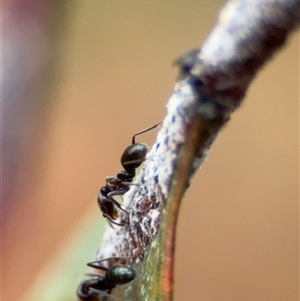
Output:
[[132, 157], [117, 275]]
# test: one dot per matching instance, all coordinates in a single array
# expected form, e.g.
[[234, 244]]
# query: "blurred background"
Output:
[[79, 79]]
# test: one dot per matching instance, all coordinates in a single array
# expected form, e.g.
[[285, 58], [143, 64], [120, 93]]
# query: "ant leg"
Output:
[[86, 288], [115, 180], [109, 179], [83, 291], [92, 274], [113, 222], [127, 184], [144, 131], [117, 192], [100, 293], [97, 263]]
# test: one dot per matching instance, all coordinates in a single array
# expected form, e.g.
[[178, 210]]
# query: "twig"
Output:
[[246, 35]]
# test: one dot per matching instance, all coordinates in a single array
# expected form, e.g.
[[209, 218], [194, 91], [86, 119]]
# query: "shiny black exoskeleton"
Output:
[[131, 159], [90, 289]]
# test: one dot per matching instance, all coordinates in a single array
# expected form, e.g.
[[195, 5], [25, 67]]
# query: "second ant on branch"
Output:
[[117, 274]]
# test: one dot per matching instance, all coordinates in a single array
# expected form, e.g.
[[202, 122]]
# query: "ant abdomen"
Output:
[[120, 274], [133, 156]]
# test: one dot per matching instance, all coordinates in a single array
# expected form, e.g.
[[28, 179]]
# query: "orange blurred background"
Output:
[[80, 78]]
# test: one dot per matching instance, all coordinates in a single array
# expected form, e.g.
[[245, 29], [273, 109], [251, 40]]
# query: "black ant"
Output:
[[131, 159], [186, 62], [116, 275]]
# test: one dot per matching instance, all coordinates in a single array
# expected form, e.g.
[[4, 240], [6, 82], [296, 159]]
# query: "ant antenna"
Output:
[[144, 131]]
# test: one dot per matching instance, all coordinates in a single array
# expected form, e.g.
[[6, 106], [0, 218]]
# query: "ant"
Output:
[[117, 275], [132, 157], [186, 62]]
